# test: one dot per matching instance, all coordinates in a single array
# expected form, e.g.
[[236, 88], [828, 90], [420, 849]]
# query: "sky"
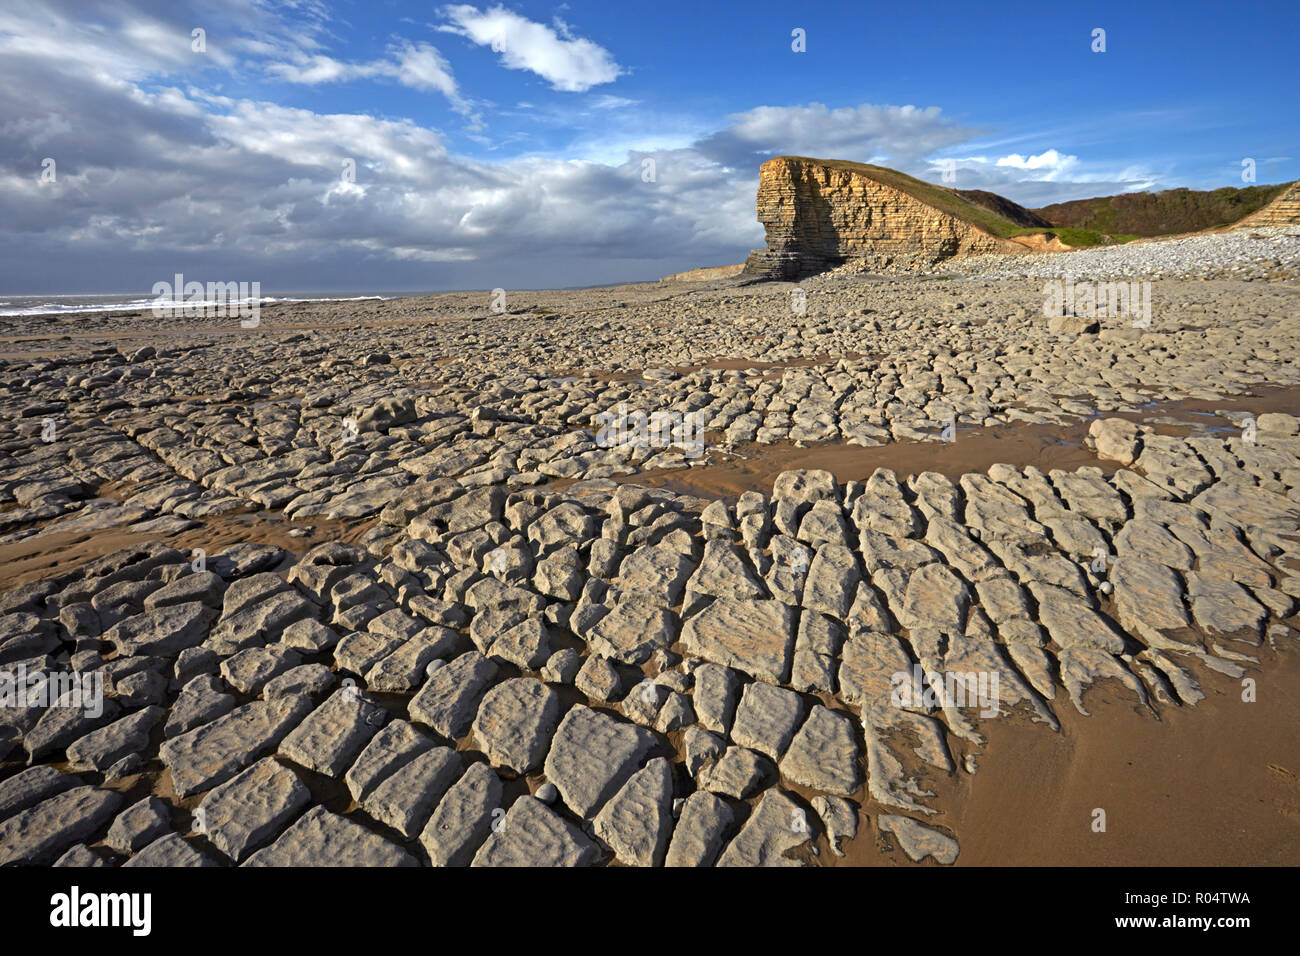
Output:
[[385, 145]]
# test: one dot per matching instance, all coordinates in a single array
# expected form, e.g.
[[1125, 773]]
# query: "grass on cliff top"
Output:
[[945, 200], [1084, 237]]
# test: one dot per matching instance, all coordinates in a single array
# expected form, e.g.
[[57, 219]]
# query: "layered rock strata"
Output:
[[820, 215]]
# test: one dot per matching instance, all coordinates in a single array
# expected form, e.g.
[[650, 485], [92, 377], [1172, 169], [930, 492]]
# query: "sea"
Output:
[[113, 302]]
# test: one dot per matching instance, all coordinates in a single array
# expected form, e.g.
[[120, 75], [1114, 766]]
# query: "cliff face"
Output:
[[821, 215]]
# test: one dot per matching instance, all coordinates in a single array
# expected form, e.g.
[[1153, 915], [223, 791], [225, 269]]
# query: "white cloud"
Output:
[[318, 68], [1038, 179], [608, 102], [416, 65], [570, 64], [420, 66], [859, 133], [1051, 164]]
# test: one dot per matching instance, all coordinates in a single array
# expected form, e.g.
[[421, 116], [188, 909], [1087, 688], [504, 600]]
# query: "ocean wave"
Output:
[[130, 305]]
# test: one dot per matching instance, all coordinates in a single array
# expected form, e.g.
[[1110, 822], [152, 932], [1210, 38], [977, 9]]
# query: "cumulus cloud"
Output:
[[1050, 164], [256, 189], [569, 63], [152, 177], [421, 66], [416, 65], [1037, 179], [858, 133], [318, 68]]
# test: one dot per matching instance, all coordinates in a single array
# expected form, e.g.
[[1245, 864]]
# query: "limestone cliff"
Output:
[[706, 274], [820, 214]]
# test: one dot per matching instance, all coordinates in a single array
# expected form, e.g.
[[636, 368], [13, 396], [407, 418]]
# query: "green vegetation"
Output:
[[1090, 237], [1170, 212], [1081, 237]]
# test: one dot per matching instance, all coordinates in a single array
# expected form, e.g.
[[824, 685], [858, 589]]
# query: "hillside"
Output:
[[1004, 207], [1170, 212]]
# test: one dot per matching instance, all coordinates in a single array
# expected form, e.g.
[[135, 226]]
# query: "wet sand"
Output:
[[50, 555], [755, 466], [1217, 784]]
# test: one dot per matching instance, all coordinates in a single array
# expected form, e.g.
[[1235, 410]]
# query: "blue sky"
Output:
[[507, 145]]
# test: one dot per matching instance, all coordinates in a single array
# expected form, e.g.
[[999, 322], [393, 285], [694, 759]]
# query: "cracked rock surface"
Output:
[[332, 610]]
